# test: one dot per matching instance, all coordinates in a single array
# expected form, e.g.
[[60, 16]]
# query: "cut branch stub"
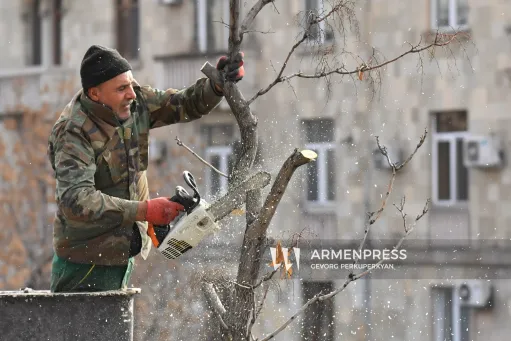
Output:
[[309, 155], [297, 159]]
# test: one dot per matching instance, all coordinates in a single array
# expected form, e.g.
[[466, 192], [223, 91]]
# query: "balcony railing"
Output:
[[180, 71], [34, 86], [19, 88]]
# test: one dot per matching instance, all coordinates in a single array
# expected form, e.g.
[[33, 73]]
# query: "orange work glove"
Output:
[[233, 69], [161, 211]]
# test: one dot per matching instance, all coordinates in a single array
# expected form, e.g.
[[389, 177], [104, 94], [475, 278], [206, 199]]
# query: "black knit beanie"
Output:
[[101, 64]]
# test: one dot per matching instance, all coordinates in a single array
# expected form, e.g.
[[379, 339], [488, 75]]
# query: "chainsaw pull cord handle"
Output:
[[152, 234]]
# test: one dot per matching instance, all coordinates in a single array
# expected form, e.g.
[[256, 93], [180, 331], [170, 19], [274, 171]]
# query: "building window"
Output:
[[319, 134], [319, 32], [449, 14], [219, 154], [450, 319], [319, 323], [34, 29], [211, 24], [450, 176], [128, 28], [43, 26], [57, 32]]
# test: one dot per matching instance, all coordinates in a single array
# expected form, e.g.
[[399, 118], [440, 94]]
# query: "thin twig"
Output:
[[421, 141], [342, 70], [304, 37], [268, 276], [251, 16], [226, 25], [279, 79], [180, 143], [262, 32], [395, 168], [242, 285], [364, 67], [408, 229], [303, 308], [401, 210]]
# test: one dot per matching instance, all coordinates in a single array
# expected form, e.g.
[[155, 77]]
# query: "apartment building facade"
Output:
[[457, 93]]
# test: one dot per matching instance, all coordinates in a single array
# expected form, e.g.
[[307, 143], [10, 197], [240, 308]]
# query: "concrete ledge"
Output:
[[41, 315]]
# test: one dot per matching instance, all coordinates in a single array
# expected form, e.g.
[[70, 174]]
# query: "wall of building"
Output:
[[471, 76]]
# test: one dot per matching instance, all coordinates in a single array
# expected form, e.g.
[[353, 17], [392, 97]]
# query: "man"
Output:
[[98, 149]]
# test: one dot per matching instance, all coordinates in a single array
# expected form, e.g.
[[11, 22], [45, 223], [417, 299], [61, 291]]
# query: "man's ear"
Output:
[[93, 93]]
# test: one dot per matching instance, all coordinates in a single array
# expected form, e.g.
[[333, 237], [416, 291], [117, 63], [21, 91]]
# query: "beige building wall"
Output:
[[472, 77]]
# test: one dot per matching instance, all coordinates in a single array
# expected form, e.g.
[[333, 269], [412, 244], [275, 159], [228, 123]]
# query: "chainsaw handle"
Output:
[[190, 181], [182, 197]]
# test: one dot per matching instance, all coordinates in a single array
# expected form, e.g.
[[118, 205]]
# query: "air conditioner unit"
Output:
[[482, 151], [475, 293], [395, 154], [171, 2]]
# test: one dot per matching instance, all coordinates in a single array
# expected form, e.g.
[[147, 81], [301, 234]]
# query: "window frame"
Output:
[[325, 311], [453, 17], [35, 34], [320, 6], [203, 27], [124, 46], [321, 148], [456, 308], [57, 15], [224, 152], [451, 138]]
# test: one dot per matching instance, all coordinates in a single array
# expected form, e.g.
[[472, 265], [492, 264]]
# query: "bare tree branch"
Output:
[[370, 221], [278, 79], [267, 277], [243, 32], [297, 159], [403, 214], [408, 230], [359, 71], [214, 302], [180, 143], [313, 21], [364, 67], [247, 22]]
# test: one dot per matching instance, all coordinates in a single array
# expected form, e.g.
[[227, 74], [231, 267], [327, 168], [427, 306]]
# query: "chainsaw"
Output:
[[199, 218]]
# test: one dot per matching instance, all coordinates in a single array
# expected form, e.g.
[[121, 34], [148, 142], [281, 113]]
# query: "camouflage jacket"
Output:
[[99, 166]]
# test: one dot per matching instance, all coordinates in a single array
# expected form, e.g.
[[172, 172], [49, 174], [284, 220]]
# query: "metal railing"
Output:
[[180, 71]]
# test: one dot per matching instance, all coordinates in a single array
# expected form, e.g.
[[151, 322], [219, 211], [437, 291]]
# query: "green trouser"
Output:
[[72, 277]]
